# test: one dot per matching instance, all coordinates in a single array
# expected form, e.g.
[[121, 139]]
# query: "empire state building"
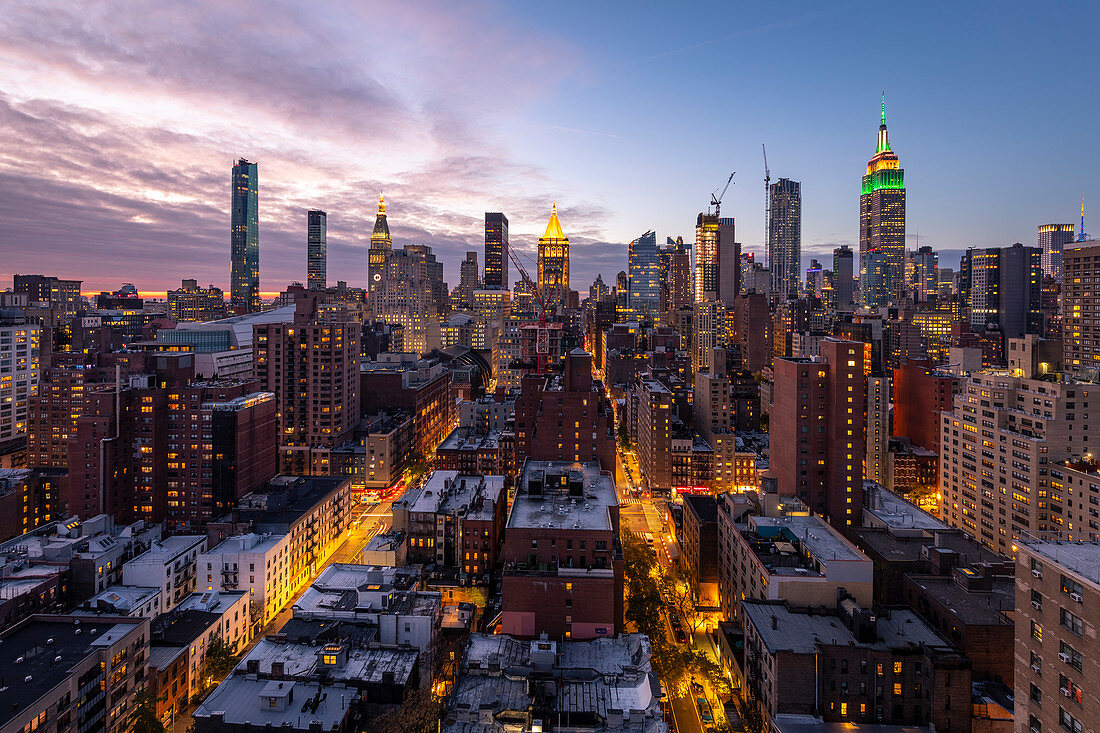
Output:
[[882, 224]]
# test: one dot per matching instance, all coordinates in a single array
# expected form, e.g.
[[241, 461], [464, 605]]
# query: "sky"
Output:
[[122, 121]]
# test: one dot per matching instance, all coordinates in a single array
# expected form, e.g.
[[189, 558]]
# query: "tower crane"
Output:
[[767, 203], [542, 339], [716, 198]]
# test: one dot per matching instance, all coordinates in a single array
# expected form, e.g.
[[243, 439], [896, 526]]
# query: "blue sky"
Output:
[[125, 122]]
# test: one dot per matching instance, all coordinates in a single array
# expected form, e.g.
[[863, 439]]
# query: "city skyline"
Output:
[[131, 182]]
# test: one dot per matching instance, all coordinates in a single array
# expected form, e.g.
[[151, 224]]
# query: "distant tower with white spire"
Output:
[[882, 224]]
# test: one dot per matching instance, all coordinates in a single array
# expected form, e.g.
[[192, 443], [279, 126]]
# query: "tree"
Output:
[[419, 713], [143, 716], [702, 664], [624, 434], [217, 663]]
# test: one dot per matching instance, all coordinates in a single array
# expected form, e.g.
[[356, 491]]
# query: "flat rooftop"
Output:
[[299, 659], [123, 598], [801, 633], [243, 700], [1083, 558], [181, 628], [165, 549], [972, 607], [890, 510], [283, 500], [465, 439], [814, 535], [786, 723], [29, 642], [908, 548], [564, 495]]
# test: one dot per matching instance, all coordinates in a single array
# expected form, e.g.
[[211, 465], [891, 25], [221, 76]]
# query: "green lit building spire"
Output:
[[882, 224]]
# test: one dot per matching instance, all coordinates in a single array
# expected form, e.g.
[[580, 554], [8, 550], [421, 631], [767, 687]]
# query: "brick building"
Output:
[[699, 547], [817, 429], [563, 566]]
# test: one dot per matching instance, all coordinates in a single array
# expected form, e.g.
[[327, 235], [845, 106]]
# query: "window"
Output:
[[1035, 724], [330, 659], [1071, 587], [897, 688], [897, 667], [1068, 722], [1069, 688], [1070, 656], [1070, 621], [1036, 631], [1036, 695]]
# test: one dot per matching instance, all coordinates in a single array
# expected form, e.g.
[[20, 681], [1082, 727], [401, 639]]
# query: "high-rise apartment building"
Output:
[[1005, 288], [818, 429], [998, 445], [654, 433], [706, 258], [244, 214], [1057, 614], [316, 249], [194, 304], [553, 264], [1081, 309], [785, 236], [882, 224], [1053, 239], [679, 278], [496, 251], [878, 428], [312, 367], [729, 261], [19, 372], [645, 276], [926, 275], [844, 276]]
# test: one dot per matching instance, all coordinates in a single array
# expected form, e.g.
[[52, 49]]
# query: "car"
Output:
[[680, 635], [704, 710], [696, 688]]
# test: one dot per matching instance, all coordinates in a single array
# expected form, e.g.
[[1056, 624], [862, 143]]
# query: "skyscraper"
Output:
[[706, 258], [245, 239], [1052, 240], [1005, 288], [645, 275], [926, 275], [729, 262], [316, 249], [380, 245], [554, 264], [843, 274], [785, 236], [496, 251], [882, 224]]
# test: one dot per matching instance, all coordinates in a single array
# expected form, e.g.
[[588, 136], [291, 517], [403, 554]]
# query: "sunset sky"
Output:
[[122, 120]]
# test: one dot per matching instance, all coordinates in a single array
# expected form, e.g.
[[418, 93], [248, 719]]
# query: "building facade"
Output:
[[244, 276], [316, 249], [785, 237]]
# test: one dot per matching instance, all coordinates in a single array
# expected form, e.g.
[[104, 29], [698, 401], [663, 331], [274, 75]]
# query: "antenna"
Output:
[[1082, 236], [767, 205]]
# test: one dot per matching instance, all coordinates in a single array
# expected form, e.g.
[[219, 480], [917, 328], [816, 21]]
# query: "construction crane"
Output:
[[716, 198], [542, 337], [767, 203]]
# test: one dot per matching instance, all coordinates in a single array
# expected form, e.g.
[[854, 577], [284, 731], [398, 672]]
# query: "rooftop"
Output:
[[244, 700], [894, 547], [801, 633], [31, 649], [180, 628], [1080, 557], [991, 607], [299, 660], [213, 601], [448, 492], [562, 495], [788, 723], [467, 439], [167, 549], [120, 599], [784, 540]]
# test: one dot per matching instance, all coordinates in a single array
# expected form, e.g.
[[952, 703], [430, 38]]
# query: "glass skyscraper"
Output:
[[316, 249], [496, 251], [244, 274], [1052, 240], [706, 258], [785, 237], [882, 225], [645, 275]]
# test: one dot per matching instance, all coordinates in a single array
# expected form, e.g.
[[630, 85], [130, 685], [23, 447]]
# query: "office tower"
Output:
[[380, 244], [244, 274], [621, 293], [554, 264], [316, 249], [815, 280], [706, 258], [19, 363], [785, 237], [469, 280], [882, 224], [676, 283], [61, 295], [312, 367], [496, 251], [1057, 611], [645, 276], [1081, 309], [1052, 240], [818, 429], [1004, 287], [729, 261], [598, 291], [926, 275], [878, 428], [563, 569], [997, 497], [194, 304]]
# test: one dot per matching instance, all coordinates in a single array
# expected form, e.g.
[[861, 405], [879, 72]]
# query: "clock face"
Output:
[[377, 276]]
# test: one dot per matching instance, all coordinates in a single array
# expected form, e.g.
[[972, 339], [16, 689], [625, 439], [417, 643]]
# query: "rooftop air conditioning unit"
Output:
[[1036, 669]]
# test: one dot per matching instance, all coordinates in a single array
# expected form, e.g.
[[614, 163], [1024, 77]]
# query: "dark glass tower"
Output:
[[316, 249], [882, 225], [496, 251], [245, 239], [785, 237]]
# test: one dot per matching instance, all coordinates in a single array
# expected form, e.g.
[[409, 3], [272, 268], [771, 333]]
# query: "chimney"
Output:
[[775, 622]]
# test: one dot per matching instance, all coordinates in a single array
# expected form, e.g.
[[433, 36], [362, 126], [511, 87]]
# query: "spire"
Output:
[[553, 227], [1082, 237], [883, 142], [382, 200], [380, 237]]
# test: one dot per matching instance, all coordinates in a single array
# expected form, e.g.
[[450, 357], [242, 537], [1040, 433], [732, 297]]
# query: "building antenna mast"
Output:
[[767, 204], [1082, 236]]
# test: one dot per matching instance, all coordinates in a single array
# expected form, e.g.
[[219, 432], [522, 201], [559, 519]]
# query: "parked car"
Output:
[[680, 635], [704, 710]]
